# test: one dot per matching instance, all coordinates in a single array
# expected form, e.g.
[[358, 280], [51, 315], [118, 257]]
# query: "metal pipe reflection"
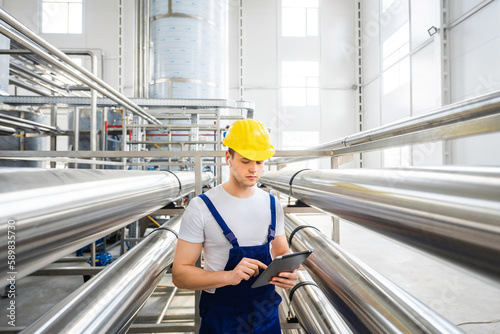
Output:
[[452, 213], [109, 302], [54, 212], [368, 301]]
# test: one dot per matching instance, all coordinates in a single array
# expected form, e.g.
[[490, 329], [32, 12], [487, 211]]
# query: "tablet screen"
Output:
[[282, 263]]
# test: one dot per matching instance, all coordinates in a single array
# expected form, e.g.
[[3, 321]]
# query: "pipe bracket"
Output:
[[178, 180], [293, 176], [166, 229], [298, 229], [298, 285]]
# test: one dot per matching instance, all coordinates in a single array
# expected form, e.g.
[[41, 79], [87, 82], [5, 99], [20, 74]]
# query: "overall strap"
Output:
[[272, 227], [225, 229]]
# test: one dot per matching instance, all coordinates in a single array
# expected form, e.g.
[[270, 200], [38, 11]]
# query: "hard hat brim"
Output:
[[257, 155]]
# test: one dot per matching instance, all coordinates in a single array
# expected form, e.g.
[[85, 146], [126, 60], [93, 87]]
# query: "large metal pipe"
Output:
[[110, 301], [50, 213], [453, 213], [370, 302], [313, 309]]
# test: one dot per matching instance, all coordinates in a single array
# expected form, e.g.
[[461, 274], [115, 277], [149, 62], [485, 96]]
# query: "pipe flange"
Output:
[[298, 228]]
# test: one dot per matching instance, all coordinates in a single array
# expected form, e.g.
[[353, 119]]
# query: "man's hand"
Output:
[[243, 271], [285, 280]]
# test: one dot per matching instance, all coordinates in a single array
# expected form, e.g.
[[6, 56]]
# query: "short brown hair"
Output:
[[231, 151]]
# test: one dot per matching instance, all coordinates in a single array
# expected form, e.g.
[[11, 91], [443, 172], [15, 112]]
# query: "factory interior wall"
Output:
[[403, 69], [264, 51], [101, 35], [391, 89]]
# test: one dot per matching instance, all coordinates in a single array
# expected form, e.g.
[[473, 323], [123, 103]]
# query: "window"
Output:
[[300, 83], [299, 18], [62, 16], [396, 46], [396, 76]]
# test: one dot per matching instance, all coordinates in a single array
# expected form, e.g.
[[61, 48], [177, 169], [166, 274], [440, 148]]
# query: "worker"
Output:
[[237, 226]]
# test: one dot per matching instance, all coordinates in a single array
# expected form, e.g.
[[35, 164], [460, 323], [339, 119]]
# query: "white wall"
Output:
[[264, 49], [474, 50]]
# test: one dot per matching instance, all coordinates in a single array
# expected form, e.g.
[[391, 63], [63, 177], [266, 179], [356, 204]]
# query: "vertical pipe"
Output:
[[93, 110], [167, 305], [140, 59], [76, 131], [147, 50], [53, 137], [197, 175], [92, 254], [218, 135], [104, 134], [124, 136]]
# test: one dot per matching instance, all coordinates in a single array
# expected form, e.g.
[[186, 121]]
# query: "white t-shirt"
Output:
[[248, 218]]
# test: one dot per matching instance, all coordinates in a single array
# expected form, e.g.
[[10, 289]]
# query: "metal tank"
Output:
[[189, 49]]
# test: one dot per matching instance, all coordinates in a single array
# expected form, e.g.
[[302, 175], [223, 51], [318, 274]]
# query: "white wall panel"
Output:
[[370, 41], [259, 43], [26, 11], [371, 119], [393, 18], [427, 154], [480, 150], [474, 52], [396, 104], [423, 15], [233, 34], [425, 80], [460, 7], [337, 117], [337, 44]]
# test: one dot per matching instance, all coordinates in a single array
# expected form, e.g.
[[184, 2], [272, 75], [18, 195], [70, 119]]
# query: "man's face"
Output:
[[246, 172]]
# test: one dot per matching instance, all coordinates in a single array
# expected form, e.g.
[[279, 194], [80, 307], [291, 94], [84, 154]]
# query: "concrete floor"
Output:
[[463, 299]]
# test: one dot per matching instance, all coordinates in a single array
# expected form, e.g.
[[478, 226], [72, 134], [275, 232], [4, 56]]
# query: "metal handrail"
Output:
[[14, 29]]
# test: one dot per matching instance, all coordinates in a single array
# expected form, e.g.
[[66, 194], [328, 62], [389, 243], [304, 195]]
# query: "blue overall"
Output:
[[239, 308]]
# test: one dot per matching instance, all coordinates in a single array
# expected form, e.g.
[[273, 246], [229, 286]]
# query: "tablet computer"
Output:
[[287, 262]]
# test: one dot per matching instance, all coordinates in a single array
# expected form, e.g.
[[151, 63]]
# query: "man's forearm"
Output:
[[195, 278]]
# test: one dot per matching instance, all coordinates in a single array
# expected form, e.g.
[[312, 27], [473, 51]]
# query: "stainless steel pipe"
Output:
[[14, 29], [370, 302], [452, 213], [50, 213], [313, 309], [109, 302], [467, 110]]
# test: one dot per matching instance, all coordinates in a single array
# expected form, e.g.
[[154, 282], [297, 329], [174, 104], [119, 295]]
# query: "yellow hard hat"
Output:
[[251, 139]]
